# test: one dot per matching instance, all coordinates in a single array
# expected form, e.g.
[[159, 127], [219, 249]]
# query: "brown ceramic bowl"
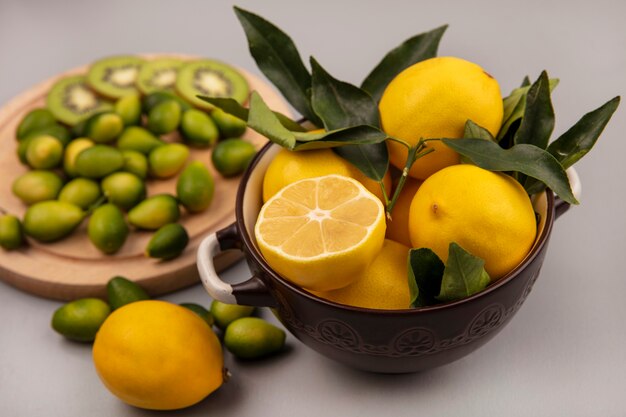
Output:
[[388, 341]]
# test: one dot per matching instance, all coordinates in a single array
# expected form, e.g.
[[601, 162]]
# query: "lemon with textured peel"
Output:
[[433, 99], [289, 166], [321, 233], [488, 213], [384, 285], [158, 355]]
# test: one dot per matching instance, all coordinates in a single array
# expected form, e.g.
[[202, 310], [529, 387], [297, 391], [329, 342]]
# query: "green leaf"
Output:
[[515, 105], [232, 106], [580, 138], [371, 159], [354, 135], [572, 145], [527, 159], [463, 276], [340, 104], [262, 120], [525, 81], [538, 121], [411, 51], [425, 275], [277, 57], [474, 131]]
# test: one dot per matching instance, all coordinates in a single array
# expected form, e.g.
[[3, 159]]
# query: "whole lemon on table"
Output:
[[384, 285], [289, 166], [157, 355], [488, 213], [433, 99], [321, 233]]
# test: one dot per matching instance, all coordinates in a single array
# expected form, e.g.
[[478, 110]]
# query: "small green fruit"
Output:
[[36, 186], [232, 156], [198, 129], [135, 163], [56, 130], [168, 242], [82, 192], [135, 138], [157, 97], [124, 189], [122, 291], [167, 160], [164, 117], [80, 320], [104, 127], [228, 125], [154, 212], [48, 221], [34, 120], [224, 314], [72, 150], [195, 187], [99, 161], [252, 337], [11, 232], [107, 228], [129, 109], [44, 152]]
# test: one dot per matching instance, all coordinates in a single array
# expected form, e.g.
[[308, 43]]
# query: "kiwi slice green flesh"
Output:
[[158, 75], [114, 77], [210, 78], [71, 101]]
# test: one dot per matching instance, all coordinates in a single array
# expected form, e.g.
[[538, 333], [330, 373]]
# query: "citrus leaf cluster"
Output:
[[350, 120]]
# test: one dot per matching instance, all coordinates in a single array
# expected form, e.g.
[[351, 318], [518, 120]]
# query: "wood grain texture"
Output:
[[73, 267]]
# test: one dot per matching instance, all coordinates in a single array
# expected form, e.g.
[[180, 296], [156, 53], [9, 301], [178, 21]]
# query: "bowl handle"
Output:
[[561, 206], [252, 292]]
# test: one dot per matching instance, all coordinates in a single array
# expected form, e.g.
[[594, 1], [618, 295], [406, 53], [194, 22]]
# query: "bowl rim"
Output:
[[259, 260]]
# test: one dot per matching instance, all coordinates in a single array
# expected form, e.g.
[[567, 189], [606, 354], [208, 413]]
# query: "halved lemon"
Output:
[[321, 233]]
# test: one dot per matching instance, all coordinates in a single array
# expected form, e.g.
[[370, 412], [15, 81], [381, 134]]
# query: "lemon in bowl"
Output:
[[321, 233]]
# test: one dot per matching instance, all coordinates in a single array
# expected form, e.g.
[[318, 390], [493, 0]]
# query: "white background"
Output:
[[562, 354]]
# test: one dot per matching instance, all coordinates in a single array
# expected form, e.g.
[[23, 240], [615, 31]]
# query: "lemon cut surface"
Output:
[[321, 233]]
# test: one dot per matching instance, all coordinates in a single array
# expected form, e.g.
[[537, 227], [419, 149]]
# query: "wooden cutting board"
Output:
[[73, 267]]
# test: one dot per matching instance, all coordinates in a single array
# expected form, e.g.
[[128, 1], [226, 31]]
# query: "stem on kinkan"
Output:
[[415, 153], [3, 211], [100, 201]]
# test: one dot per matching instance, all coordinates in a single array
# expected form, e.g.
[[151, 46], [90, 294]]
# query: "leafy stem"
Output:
[[400, 141], [100, 201], [415, 153], [384, 191]]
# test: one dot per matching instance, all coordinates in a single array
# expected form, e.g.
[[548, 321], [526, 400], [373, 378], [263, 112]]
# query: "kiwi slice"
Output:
[[210, 78], [158, 75], [71, 101], [114, 77]]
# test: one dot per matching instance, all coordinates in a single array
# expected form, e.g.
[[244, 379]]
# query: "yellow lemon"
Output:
[[384, 285], [321, 233], [288, 167], [398, 226], [157, 355], [433, 99], [489, 214]]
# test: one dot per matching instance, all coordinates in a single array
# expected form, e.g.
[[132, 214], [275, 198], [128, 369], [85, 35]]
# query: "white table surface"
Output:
[[562, 354]]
